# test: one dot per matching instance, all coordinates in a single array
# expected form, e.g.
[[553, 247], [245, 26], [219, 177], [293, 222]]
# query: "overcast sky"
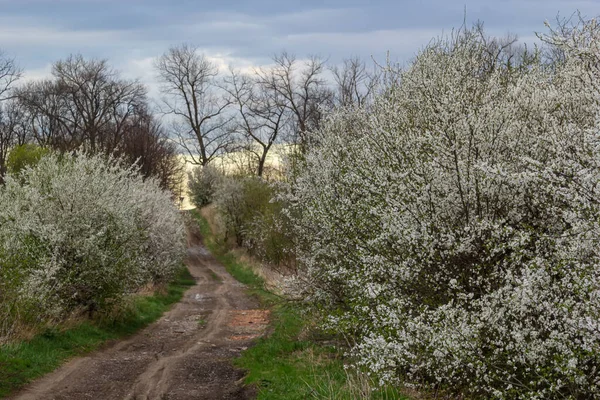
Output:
[[130, 33]]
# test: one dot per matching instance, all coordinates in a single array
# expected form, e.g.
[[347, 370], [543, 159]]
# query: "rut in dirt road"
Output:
[[187, 354]]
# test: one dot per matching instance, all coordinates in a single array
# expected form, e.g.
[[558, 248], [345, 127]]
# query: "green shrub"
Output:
[[252, 218], [23, 156], [239, 200], [270, 237]]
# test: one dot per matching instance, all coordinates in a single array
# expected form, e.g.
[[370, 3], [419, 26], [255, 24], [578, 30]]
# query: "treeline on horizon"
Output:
[[203, 112], [86, 104]]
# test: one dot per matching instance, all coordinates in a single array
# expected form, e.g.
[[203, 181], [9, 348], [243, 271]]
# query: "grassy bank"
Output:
[[22, 362], [289, 363]]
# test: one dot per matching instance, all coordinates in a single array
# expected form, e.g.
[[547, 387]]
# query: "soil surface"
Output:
[[187, 354]]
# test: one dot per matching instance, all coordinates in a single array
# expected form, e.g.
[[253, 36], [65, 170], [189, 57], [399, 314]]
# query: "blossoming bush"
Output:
[[81, 232], [203, 181], [453, 230]]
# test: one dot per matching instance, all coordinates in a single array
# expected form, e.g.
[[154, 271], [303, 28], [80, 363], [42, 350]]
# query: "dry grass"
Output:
[[357, 385], [210, 214]]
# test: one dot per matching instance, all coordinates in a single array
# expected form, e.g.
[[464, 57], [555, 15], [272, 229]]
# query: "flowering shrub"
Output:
[[79, 232], [453, 229], [202, 184]]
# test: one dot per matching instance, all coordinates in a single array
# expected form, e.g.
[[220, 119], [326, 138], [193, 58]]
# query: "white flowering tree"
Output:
[[453, 230], [82, 233]]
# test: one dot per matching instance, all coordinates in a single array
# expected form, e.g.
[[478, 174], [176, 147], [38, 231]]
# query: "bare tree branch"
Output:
[[190, 86]]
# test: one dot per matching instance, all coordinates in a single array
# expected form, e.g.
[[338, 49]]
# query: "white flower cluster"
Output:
[[454, 229], [82, 232]]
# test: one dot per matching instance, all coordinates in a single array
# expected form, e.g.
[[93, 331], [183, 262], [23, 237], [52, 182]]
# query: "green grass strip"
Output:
[[22, 362]]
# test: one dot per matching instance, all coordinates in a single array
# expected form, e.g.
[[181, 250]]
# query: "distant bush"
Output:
[[453, 230], [252, 218], [269, 235], [229, 199], [24, 156], [81, 233], [202, 184], [240, 200]]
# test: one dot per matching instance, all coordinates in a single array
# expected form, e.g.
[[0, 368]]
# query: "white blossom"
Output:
[[454, 229], [82, 232]]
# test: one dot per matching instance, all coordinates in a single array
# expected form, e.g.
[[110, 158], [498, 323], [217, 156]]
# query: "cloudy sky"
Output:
[[130, 33]]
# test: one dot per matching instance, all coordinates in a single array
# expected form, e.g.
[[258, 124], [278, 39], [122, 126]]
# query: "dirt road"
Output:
[[185, 355]]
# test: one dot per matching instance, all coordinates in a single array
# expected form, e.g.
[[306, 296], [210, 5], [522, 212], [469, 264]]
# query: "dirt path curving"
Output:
[[185, 355]]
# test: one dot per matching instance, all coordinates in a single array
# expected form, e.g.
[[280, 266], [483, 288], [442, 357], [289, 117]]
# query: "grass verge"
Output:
[[282, 365], [22, 362]]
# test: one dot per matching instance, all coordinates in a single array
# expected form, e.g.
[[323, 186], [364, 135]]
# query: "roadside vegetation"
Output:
[[81, 235], [433, 228], [452, 229], [295, 360], [81, 238], [23, 361], [447, 230]]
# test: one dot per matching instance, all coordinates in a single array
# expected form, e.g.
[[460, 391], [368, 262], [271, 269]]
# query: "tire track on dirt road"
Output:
[[185, 355]]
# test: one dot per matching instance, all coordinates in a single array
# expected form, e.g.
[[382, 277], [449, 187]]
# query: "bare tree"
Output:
[[191, 89], [86, 103], [13, 130], [49, 115], [99, 98], [262, 114], [147, 144], [355, 84], [9, 74], [304, 90], [10, 117]]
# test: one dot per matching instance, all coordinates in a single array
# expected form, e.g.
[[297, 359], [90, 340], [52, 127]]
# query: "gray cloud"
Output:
[[130, 33]]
